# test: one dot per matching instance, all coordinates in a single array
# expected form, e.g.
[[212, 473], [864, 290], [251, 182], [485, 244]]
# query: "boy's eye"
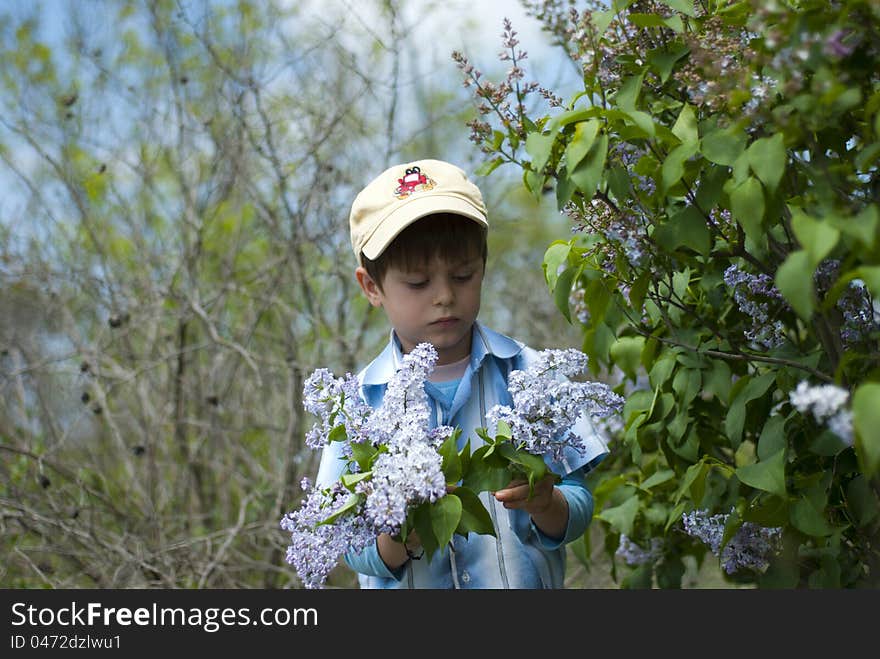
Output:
[[416, 284], [465, 277]]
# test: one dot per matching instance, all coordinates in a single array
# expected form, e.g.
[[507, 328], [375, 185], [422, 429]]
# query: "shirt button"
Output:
[[465, 577]]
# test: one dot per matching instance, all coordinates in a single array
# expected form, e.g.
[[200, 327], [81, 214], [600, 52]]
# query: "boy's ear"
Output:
[[369, 286]]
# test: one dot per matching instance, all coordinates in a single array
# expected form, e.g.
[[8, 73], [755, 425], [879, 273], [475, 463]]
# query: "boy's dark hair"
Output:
[[446, 235]]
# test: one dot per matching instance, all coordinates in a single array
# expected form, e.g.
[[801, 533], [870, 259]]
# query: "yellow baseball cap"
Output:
[[405, 193]]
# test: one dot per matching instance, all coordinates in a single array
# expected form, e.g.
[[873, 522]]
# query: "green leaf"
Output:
[[363, 453], [794, 279], [422, 523], [601, 20], [767, 475], [486, 471], [862, 227], [503, 430], [353, 501], [767, 158], [685, 229], [622, 517], [658, 478], [581, 142], [641, 578], [736, 415], [352, 479], [663, 61], [618, 183], [451, 462], [539, 146], [818, 238], [724, 146], [489, 166], [807, 519], [866, 421], [646, 20], [717, 380], [570, 117], [628, 94], [532, 465], [772, 438], [684, 6], [588, 173], [562, 291], [626, 353], [662, 370], [680, 282], [862, 500], [445, 516], [673, 167], [337, 434], [474, 516], [747, 206], [644, 121], [685, 127], [556, 254], [640, 289], [694, 482]]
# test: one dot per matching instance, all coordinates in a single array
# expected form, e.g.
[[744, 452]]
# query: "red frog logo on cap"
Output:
[[412, 181]]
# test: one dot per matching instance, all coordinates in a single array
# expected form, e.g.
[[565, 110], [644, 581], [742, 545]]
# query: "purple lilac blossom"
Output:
[[335, 401], [405, 402], [750, 547], [315, 548], [633, 554], [855, 304], [753, 295], [406, 473], [826, 403], [546, 404]]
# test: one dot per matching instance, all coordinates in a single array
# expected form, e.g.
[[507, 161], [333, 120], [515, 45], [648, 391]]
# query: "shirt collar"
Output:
[[484, 341]]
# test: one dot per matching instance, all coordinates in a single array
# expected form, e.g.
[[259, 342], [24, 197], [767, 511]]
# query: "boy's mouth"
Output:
[[445, 322]]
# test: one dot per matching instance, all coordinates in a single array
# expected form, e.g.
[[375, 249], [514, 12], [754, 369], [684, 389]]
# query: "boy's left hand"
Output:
[[516, 495]]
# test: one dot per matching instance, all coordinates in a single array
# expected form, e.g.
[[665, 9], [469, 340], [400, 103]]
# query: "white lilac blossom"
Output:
[[754, 295], [750, 547], [633, 554], [546, 404], [826, 403], [406, 472]]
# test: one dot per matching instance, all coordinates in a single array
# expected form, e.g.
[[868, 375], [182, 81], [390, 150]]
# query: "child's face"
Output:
[[437, 303]]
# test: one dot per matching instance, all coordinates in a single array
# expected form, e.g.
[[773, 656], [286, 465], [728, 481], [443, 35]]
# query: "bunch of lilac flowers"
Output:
[[750, 547], [754, 295], [633, 553], [404, 470], [547, 406], [315, 546]]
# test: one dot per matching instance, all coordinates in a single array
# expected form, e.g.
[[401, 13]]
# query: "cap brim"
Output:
[[416, 209]]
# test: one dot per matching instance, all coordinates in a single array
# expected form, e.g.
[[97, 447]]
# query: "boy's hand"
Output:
[[516, 495], [547, 507]]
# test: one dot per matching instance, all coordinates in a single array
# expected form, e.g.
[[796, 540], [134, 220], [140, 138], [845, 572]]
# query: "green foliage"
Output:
[[721, 167]]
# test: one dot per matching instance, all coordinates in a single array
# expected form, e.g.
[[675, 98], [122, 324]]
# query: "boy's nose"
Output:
[[443, 295]]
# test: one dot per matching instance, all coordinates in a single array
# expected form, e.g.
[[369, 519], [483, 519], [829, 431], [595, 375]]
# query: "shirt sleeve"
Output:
[[580, 511], [370, 563]]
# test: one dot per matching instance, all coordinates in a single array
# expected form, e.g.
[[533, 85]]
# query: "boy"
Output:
[[419, 234]]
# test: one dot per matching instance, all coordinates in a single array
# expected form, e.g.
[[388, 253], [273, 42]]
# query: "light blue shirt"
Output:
[[520, 555]]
